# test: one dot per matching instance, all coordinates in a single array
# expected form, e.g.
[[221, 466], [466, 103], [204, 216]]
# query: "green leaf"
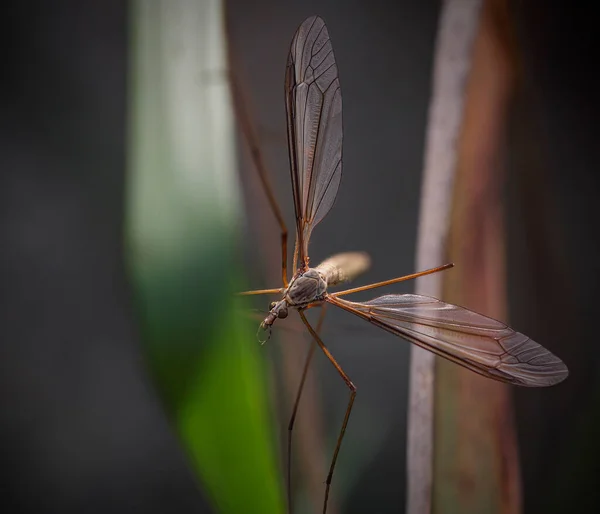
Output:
[[183, 206]]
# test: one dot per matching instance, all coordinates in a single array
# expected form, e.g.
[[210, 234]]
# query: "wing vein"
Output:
[[462, 336], [314, 110]]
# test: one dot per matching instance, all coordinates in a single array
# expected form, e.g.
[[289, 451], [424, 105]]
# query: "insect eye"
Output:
[[272, 305], [282, 313]]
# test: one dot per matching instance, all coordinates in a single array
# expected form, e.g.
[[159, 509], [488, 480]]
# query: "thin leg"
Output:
[[295, 259], [352, 388], [250, 136], [394, 280], [260, 291], [311, 352]]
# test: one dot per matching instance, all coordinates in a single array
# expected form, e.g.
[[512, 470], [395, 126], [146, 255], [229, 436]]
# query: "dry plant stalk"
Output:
[[458, 24], [477, 468]]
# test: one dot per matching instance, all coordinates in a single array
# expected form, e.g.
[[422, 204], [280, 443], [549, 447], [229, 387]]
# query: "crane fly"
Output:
[[314, 127]]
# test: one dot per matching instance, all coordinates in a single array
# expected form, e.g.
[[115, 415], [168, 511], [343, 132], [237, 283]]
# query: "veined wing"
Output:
[[314, 123], [472, 340]]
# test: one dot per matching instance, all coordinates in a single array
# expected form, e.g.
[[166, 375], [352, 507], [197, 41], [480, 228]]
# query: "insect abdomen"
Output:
[[343, 267]]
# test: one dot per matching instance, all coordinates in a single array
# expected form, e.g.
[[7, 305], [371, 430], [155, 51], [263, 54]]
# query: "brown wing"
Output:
[[314, 122], [472, 340]]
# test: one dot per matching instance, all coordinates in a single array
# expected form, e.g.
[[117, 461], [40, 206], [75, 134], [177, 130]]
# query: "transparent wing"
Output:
[[314, 122], [472, 340]]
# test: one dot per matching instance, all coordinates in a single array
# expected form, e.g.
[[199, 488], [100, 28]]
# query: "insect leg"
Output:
[[352, 388], [260, 291], [252, 140], [393, 280], [309, 356]]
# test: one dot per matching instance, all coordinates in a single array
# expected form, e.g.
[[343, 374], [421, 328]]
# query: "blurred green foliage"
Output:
[[182, 206]]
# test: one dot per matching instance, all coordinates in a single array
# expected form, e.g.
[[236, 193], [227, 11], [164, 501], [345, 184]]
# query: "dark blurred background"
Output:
[[81, 427]]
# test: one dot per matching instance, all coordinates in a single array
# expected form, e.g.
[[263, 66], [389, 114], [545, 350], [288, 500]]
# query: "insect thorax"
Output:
[[306, 288]]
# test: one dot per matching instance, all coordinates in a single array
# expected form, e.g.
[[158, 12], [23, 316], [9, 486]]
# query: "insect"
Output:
[[314, 127]]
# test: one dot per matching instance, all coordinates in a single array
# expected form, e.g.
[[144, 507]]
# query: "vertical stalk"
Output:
[[458, 23], [476, 458]]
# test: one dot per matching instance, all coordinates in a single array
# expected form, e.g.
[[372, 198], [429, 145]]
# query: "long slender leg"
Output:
[[260, 291], [309, 356], [394, 280], [352, 388], [295, 258], [252, 140]]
